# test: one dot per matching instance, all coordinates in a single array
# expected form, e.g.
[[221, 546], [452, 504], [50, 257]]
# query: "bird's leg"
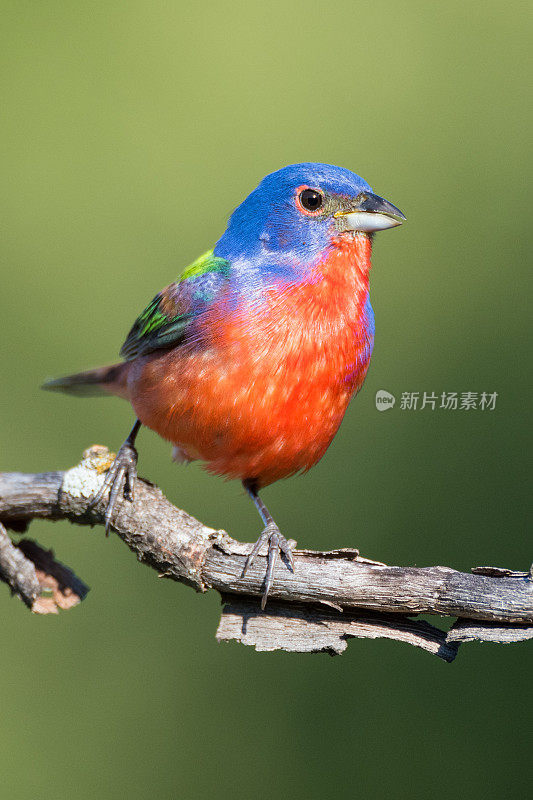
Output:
[[120, 477], [276, 541]]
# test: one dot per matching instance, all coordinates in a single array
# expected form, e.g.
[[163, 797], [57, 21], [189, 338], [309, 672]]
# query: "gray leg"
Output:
[[276, 542], [121, 476]]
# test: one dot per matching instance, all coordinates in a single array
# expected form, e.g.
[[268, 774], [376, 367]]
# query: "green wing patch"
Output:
[[155, 329], [164, 322], [207, 262]]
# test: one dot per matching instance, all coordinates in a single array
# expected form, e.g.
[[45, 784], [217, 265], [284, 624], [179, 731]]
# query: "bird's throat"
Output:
[[346, 263]]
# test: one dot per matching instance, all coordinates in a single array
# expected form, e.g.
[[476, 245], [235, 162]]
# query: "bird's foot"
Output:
[[120, 480], [277, 544]]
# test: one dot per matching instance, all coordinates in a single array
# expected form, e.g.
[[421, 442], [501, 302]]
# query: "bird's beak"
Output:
[[369, 213]]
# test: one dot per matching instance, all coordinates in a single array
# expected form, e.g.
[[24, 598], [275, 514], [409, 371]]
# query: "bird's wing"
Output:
[[165, 321]]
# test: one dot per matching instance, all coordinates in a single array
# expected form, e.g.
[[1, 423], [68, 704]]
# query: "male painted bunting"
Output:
[[249, 360]]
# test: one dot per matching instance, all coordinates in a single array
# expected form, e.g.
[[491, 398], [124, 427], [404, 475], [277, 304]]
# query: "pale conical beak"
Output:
[[369, 213]]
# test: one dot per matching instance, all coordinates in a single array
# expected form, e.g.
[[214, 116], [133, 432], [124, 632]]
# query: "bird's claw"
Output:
[[120, 478], [277, 544]]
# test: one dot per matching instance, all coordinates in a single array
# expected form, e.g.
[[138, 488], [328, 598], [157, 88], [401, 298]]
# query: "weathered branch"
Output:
[[18, 571], [34, 574], [330, 597]]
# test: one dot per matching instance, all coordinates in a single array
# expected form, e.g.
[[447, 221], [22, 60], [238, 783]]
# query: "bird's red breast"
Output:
[[265, 394]]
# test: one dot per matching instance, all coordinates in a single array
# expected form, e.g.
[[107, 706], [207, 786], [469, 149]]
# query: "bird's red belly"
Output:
[[263, 397], [264, 418], [265, 424]]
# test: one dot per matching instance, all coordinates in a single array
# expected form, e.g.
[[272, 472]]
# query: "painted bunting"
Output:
[[249, 360]]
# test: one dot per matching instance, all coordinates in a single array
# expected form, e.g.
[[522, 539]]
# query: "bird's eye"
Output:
[[311, 199]]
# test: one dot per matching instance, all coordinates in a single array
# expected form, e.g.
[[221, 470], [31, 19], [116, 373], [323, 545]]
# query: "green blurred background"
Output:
[[130, 130]]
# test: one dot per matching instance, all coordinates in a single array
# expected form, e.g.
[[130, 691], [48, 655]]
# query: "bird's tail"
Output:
[[100, 381]]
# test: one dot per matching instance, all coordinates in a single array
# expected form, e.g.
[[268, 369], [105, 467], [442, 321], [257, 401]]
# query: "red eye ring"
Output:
[[309, 201]]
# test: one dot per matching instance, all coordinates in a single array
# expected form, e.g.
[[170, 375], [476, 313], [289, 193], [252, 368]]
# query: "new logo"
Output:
[[384, 400]]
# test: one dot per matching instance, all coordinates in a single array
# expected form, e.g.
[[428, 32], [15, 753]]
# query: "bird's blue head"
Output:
[[298, 212]]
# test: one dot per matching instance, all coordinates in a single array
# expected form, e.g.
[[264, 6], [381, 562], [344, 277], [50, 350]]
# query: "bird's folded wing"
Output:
[[165, 321]]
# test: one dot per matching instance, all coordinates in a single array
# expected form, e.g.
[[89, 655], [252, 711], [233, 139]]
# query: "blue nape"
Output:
[[269, 235]]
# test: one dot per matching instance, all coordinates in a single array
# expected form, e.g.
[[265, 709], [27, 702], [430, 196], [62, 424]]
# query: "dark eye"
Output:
[[311, 199]]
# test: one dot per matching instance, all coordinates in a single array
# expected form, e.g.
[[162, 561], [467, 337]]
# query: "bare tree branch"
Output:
[[316, 608], [43, 583], [18, 571]]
